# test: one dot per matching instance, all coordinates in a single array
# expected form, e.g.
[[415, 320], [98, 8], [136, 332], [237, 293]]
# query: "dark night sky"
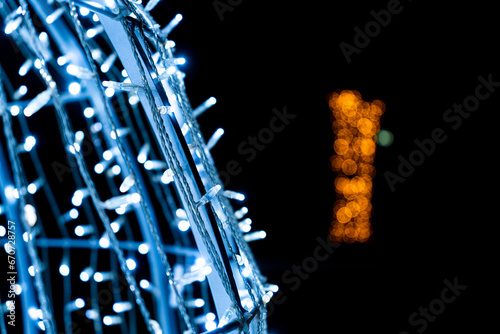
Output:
[[436, 225]]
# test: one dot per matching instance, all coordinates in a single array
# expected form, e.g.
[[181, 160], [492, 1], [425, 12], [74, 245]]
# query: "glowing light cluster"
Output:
[[356, 124], [88, 59]]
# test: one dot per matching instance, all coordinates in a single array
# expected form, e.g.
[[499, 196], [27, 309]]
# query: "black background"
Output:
[[439, 224]]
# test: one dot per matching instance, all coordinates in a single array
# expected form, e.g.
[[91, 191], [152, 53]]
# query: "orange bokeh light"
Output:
[[355, 124]]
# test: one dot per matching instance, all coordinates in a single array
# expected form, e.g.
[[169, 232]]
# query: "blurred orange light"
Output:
[[355, 124], [349, 167]]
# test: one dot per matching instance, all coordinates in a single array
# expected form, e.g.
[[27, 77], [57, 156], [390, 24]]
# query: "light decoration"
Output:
[[128, 200], [355, 124]]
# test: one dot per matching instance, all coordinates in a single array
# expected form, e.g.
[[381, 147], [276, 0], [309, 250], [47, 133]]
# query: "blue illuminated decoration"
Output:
[[121, 220]]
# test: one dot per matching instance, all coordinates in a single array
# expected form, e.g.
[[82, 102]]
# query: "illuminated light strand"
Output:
[[205, 317], [108, 62], [241, 244], [215, 138], [113, 6], [25, 67], [34, 186], [79, 136], [47, 314], [155, 165], [35, 313], [228, 316], [30, 215], [151, 5], [14, 20], [142, 157], [246, 221], [104, 241], [126, 184], [92, 32], [124, 86], [267, 297], [64, 268], [126, 245], [123, 209], [204, 106], [28, 144], [62, 60], [20, 92], [108, 154], [103, 276], [38, 102], [55, 15], [44, 38], [30, 252], [241, 212], [234, 195], [86, 274], [195, 303], [74, 88], [181, 213], [146, 285], [117, 224], [167, 176], [181, 180], [122, 200], [75, 305], [253, 236], [174, 61], [15, 110], [121, 132], [155, 326], [96, 127], [115, 170], [355, 124], [69, 215], [165, 74], [83, 230], [143, 248], [245, 225], [101, 166], [209, 195], [120, 307], [92, 314], [79, 72], [183, 225], [131, 264], [172, 24], [79, 195], [112, 320], [197, 275]]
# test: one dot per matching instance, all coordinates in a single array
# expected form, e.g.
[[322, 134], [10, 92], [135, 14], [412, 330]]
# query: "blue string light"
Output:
[[103, 163]]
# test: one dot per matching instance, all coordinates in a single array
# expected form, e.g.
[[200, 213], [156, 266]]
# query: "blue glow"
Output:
[[74, 88], [143, 248], [73, 213], [29, 143], [131, 264], [183, 225], [64, 269]]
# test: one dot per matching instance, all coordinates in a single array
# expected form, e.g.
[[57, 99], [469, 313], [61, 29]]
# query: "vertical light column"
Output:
[[355, 124]]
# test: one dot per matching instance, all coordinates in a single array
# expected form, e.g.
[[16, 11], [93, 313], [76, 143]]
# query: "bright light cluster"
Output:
[[356, 124], [89, 70]]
